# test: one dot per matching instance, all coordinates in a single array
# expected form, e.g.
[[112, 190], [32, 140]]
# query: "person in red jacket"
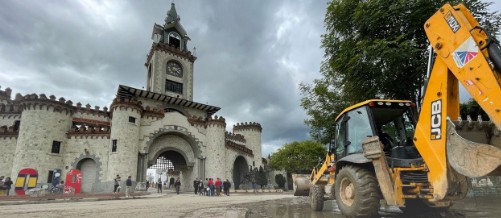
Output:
[[218, 186]]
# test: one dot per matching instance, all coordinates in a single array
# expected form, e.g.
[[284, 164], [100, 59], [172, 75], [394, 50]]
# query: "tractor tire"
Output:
[[357, 192], [316, 198]]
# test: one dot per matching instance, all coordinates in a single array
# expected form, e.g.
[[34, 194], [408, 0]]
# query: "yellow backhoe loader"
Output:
[[416, 160]]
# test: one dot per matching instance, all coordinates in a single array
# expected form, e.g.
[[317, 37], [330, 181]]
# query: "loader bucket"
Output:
[[301, 184], [469, 158]]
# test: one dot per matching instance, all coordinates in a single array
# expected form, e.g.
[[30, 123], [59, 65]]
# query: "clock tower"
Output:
[[169, 63]]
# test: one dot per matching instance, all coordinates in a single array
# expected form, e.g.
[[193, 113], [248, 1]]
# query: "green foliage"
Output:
[[374, 49], [472, 108], [298, 157], [261, 177], [280, 180]]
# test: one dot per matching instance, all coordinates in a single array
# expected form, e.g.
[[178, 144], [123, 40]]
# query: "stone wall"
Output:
[[41, 124], [8, 149], [97, 148], [485, 186]]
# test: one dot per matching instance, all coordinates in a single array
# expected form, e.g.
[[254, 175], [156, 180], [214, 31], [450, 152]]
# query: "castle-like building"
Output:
[[51, 134]]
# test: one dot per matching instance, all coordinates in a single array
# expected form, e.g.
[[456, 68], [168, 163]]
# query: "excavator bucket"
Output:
[[301, 184], [473, 148]]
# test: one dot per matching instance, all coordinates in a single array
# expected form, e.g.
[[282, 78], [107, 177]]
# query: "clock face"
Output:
[[174, 69]]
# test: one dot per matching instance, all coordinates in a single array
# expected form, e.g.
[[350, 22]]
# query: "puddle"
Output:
[[299, 207]]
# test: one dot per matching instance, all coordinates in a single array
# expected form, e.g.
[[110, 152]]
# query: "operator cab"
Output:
[[392, 120]]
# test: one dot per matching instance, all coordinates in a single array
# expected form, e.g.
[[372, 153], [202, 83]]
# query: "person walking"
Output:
[[177, 185], [159, 185], [201, 189], [128, 186], [218, 186], [226, 187], [147, 184], [8, 184], [211, 187], [171, 181], [195, 185], [116, 184]]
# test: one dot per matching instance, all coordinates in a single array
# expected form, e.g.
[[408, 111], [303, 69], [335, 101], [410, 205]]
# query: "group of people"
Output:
[[5, 184], [209, 187], [128, 185], [172, 182]]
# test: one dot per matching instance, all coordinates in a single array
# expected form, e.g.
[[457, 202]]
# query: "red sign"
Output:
[[74, 180]]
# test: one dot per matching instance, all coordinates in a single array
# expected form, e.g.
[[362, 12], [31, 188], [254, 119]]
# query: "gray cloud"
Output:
[[251, 54]]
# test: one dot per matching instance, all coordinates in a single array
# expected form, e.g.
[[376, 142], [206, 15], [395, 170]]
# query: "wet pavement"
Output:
[[300, 207], [237, 205]]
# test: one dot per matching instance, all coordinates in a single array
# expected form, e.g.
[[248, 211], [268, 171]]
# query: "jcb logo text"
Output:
[[436, 120]]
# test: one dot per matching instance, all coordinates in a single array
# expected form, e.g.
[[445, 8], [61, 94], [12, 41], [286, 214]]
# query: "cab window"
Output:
[[359, 128]]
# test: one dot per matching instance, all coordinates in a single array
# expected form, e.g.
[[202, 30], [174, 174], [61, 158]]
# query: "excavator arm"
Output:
[[466, 55]]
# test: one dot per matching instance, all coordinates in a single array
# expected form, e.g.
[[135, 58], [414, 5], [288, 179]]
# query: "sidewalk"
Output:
[[151, 193], [53, 198]]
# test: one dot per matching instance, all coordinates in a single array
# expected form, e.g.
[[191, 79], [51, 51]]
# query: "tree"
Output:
[[261, 177], [297, 157], [472, 108], [374, 49], [280, 180]]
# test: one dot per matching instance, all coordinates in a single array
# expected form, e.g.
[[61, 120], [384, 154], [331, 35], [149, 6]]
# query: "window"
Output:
[[172, 86], [114, 145], [340, 137], [56, 147], [174, 40], [149, 87], [132, 120], [17, 123], [50, 177], [359, 128]]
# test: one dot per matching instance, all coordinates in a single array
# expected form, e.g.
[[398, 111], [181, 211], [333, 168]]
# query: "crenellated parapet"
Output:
[[216, 121], [153, 112], [11, 108], [234, 137], [197, 121], [239, 148], [125, 103], [9, 131], [252, 126], [96, 111], [42, 102], [169, 48], [88, 127], [85, 131]]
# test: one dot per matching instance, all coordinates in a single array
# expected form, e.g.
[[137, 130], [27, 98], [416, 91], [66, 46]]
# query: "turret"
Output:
[[215, 150], [252, 134], [5, 96], [42, 133], [125, 122]]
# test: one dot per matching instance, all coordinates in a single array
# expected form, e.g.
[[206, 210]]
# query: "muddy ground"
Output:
[[299, 207], [234, 206]]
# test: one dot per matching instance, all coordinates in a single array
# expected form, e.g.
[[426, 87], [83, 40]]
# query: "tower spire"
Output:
[[172, 14]]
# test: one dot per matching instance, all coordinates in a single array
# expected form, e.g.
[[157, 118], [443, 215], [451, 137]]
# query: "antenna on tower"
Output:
[[194, 51]]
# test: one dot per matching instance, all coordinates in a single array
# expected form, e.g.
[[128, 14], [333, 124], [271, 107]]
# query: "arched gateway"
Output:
[[240, 170], [177, 148]]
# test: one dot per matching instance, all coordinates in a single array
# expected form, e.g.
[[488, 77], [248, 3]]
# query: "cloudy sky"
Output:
[[252, 55]]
